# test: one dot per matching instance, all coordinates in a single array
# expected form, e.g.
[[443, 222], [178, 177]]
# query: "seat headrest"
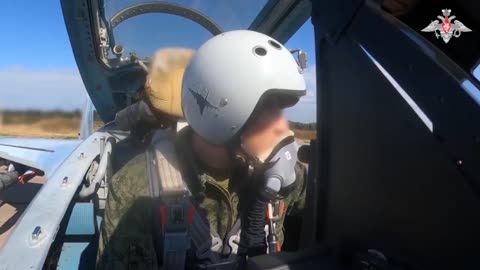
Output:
[[163, 85]]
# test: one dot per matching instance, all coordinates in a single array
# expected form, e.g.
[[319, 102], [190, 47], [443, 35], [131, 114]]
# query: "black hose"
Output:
[[253, 227], [276, 179]]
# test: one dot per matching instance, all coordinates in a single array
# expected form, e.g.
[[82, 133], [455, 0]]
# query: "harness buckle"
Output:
[[176, 211], [278, 210], [176, 215]]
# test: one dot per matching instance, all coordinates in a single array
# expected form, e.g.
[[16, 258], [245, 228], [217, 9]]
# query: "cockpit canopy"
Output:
[[134, 30], [113, 41]]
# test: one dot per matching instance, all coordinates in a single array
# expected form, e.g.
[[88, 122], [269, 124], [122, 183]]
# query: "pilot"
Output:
[[233, 93]]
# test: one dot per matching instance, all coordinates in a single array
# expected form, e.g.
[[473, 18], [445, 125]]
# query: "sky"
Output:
[[38, 70]]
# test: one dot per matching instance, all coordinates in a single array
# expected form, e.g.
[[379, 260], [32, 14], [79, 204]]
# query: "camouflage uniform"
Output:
[[126, 240], [9, 173]]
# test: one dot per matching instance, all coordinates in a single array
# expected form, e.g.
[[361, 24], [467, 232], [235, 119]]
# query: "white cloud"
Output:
[[47, 89], [305, 110]]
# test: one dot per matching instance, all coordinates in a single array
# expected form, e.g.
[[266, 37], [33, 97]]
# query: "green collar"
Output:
[[194, 174]]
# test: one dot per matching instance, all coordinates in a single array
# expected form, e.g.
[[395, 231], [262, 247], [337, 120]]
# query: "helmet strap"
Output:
[[242, 158]]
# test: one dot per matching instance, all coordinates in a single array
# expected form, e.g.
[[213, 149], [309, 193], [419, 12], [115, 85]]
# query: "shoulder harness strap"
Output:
[[180, 223]]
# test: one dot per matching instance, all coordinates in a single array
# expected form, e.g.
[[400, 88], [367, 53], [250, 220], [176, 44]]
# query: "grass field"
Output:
[[55, 127], [66, 125]]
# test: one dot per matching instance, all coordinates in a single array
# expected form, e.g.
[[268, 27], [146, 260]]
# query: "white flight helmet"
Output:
[[229, 75]]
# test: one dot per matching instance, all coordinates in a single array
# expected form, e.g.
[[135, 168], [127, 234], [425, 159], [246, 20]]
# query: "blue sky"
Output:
[[38, 70]]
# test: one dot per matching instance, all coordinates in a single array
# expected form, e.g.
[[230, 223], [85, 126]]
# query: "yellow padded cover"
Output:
[[163, 86]]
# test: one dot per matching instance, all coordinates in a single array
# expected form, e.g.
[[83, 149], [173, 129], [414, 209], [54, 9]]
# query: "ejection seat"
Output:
[[164, 83], [162, 94]]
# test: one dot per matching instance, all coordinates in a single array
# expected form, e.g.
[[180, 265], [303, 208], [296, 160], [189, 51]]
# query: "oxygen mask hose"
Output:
[[277, 175]]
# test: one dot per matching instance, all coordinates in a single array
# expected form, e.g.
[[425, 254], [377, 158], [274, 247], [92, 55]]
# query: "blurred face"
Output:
[[267, 126]]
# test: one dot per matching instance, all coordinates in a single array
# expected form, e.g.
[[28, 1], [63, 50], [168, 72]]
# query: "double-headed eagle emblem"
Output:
[[446, 27]]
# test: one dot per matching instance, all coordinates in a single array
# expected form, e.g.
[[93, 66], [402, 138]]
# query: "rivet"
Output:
[[223, 102], [36, 232], [65, 180]]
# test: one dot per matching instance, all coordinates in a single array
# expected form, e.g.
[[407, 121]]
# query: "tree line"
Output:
[[303, 126], [31, 116]]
